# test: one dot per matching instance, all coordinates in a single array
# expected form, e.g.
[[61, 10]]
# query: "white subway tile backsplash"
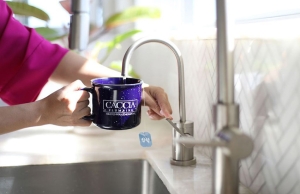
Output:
[[244, 175], [267, 77], [257, 183], [296, 189], [269, 187], [288, 183], [287, 162], [289, 137], [264, 189], [267, 89]]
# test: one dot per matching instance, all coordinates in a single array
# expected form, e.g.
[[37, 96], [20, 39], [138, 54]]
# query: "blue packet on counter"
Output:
[[145, 139]]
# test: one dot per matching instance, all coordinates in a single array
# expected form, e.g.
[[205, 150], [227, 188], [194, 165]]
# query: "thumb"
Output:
[[74, 86]]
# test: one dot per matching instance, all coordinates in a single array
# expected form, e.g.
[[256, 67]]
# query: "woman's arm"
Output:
[[20, 116], [73, 67], [65, 107]]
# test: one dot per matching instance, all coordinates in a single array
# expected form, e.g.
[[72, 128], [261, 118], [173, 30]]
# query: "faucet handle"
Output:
[[239, 145], [175, 127], [191, 142]]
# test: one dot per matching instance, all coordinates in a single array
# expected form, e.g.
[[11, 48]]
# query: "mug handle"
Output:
[[88, 117]]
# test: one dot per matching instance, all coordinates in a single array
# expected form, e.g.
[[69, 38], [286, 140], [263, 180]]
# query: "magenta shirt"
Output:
[[26, 59]]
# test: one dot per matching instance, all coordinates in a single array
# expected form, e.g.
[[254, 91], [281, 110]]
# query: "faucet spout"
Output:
[[181, 155], [179, 60]]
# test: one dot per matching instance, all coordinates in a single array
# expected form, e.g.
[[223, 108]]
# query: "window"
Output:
[[253, 10], [182, 14], [177, 15]]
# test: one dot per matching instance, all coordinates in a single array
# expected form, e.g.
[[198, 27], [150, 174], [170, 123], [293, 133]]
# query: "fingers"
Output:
[[73, 94], [164, 104], [153, 115], [82, 105], [152, 104], [83, 110], [80, 111], [158, 102], [76, 103], [82, 123]]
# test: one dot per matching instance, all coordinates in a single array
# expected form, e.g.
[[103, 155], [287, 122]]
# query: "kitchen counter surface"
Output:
[[52, 145]]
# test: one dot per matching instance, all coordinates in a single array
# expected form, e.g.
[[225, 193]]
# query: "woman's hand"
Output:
[[67, 106], [157, 101]]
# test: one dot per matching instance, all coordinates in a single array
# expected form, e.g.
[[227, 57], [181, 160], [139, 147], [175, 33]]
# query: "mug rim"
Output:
[[100, 78]]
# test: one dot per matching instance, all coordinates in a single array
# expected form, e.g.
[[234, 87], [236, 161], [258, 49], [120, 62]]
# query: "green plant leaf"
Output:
[[131, 14], [117, 65], [110, 45], [120, 38], [50, 33], [25, 9]]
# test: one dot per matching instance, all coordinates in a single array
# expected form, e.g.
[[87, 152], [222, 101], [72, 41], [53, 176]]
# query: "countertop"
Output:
[[52, 145]]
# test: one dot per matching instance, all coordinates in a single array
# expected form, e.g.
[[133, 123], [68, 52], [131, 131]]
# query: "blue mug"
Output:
[[116, 102]]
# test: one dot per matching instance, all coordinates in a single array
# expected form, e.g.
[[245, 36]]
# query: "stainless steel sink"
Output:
[[109, 177]]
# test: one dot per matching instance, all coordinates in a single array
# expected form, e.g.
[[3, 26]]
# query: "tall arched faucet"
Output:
[[181, 155]]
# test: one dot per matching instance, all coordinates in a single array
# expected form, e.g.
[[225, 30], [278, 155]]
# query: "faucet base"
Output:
[[183, 162]]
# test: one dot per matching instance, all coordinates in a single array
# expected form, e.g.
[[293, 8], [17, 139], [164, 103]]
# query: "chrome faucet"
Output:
[[181, 155], [230, 145], [79, 25]]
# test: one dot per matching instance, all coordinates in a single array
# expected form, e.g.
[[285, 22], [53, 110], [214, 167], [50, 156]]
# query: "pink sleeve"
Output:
[[26, 60]]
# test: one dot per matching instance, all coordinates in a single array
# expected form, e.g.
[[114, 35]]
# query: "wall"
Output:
[[267, 77]]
